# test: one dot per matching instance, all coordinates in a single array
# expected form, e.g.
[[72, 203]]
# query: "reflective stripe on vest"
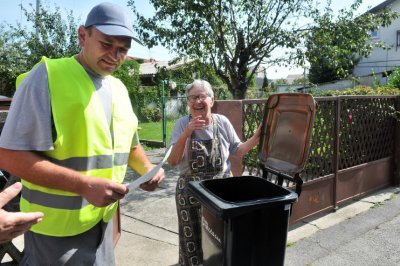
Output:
[[54, 201], [94, 162], [84, 143]]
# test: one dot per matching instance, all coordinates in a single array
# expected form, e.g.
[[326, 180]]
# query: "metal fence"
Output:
[[351, 153]]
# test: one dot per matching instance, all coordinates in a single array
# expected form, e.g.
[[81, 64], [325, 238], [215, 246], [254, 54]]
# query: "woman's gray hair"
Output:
[[199, 83]]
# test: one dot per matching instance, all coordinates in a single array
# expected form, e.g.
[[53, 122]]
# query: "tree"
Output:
[[336, 45], [281, 81], [129, 74], [265, 83], [230, 35], [22, 47]]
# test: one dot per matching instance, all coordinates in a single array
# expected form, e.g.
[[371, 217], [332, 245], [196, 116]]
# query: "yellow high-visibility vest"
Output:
[[84, 143]]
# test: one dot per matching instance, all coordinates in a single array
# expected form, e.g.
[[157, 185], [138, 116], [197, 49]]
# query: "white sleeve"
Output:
[[180, 126], [230, 134]]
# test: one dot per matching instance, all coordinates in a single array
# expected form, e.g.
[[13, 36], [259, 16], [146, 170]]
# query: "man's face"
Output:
[[102, 54]]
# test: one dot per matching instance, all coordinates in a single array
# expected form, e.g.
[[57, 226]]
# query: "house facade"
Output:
[[382, 61]]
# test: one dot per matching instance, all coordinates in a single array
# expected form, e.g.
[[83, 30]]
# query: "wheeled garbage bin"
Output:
[[245, 219]]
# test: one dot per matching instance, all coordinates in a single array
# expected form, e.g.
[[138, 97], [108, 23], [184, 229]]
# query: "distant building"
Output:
[[149, 69], [292, 77], [289, 79], [381, 61], [259, 75]]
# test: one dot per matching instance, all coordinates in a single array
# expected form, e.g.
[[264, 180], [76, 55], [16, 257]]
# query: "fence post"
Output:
[[233, 110], [164, 115], [336, 152], [396, 174]]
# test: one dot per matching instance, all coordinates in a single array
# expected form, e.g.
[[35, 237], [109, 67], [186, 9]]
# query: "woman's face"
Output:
[[199, 102]]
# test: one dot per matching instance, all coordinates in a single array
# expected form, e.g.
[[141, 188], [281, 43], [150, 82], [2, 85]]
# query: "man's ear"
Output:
[[82, 35]]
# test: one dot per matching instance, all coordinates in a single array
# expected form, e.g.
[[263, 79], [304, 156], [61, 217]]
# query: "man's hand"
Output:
[[13, 224], [154, 182], [101, 192]]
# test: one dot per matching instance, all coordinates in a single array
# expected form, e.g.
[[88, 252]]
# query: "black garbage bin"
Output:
[[244, 220]]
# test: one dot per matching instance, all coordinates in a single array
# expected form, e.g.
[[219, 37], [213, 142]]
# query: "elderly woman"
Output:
[[202, 144]]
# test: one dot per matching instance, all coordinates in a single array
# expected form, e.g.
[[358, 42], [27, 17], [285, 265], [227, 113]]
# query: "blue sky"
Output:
[[10, 12]]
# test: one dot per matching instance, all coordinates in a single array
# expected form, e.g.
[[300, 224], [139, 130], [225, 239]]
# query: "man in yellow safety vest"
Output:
[[69, 136]]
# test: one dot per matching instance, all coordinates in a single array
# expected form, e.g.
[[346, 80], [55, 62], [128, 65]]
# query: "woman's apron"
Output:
[[205, 161]]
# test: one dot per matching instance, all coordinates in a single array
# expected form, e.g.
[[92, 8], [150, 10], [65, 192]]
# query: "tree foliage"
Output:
[[129, 74], [47, 34], [185, 74], [230, 35], [300, 81], [336, 44], [188, 71], [394, 78]]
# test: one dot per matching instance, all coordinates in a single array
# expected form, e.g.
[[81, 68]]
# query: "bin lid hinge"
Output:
[[280, 176]]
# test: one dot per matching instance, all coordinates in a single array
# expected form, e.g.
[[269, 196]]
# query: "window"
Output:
[[397, 39], [374, 34]]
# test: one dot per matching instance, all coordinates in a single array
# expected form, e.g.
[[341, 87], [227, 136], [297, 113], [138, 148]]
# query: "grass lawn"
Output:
[[153, 131]]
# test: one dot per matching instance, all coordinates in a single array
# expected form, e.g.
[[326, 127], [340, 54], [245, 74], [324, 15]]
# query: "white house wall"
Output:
[[382, 60]]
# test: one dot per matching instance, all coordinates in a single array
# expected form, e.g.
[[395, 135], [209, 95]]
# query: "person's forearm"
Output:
[[246, 146], [178, 149], [139, 161], [38, 170]]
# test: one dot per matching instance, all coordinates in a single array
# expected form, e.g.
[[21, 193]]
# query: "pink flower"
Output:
[[350, 117]]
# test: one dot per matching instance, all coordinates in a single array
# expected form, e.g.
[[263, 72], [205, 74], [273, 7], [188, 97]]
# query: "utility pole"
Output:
[[37, 15], [37, 6]]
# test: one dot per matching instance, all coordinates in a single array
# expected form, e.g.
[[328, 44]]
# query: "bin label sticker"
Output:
[[210, 230]]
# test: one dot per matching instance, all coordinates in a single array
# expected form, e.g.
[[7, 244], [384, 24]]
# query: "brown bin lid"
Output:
[[287, 126]]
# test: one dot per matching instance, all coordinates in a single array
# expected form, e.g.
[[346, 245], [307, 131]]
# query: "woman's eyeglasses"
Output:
[[194, 98]]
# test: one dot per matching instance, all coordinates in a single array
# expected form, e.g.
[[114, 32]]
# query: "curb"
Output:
[[309, 227]]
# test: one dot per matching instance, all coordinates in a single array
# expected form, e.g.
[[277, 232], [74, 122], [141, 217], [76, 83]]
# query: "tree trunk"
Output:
[[239, 87]]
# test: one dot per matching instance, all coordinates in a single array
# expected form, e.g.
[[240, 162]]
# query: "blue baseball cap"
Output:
[[111, 19]]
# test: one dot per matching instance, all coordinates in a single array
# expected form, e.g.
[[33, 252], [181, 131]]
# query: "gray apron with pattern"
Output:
[[205, 161]]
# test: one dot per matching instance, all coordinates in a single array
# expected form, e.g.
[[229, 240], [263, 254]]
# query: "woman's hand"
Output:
[[197, 123]]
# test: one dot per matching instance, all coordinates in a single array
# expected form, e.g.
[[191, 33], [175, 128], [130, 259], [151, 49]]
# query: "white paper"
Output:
[[149, 175]]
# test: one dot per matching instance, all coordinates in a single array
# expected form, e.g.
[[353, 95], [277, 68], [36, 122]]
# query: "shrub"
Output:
[[150, 114], [394, 78], [360, 90]]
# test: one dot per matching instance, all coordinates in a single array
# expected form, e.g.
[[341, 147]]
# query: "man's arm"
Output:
[[139, 162], [38, 170]]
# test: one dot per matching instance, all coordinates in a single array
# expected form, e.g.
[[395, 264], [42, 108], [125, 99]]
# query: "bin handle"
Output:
[[299, 183], [296, 179]]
